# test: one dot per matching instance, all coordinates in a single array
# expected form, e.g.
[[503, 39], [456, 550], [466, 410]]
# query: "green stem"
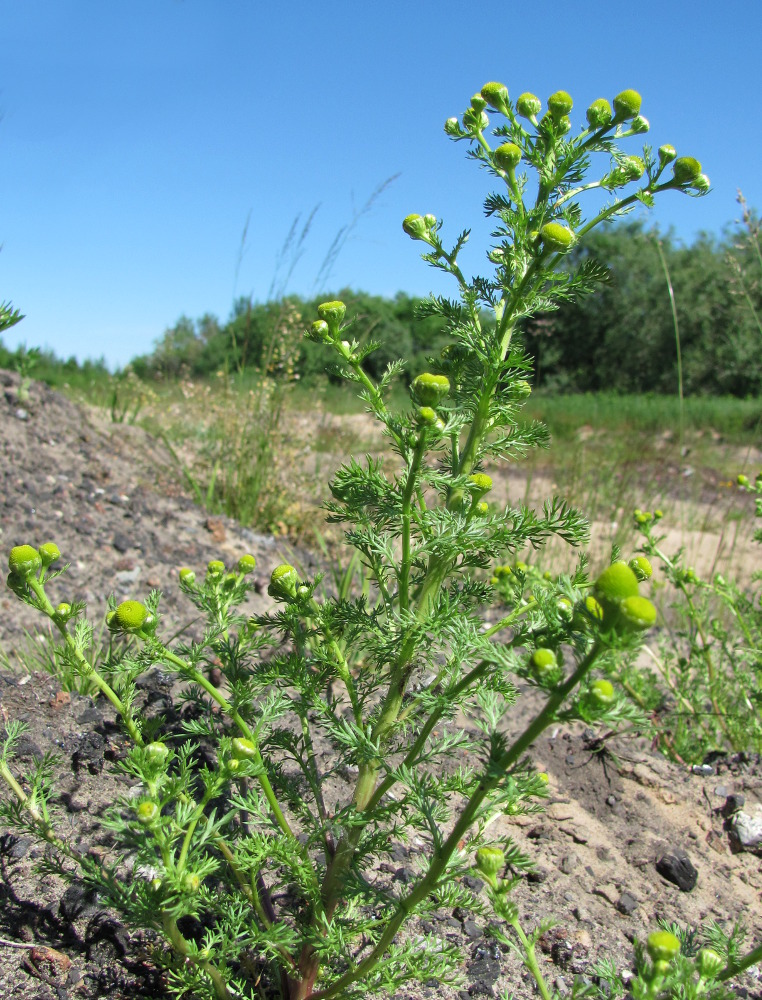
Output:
[[529, 958], [182, 947], [439, 862], [407, 496], [753, 957]]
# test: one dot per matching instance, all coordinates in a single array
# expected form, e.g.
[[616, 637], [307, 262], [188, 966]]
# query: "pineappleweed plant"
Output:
[[258, 870]]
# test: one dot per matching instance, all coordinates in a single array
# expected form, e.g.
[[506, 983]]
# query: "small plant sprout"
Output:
[[333, 730]]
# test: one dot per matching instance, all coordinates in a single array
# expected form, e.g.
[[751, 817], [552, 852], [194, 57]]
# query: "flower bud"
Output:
[[130, 616], [215, 569], [229, 581], [742, 480], [427, 417], [662, 946], [147, 813], [452, 127], [490, 861], [702, 183], [507, 156], [627, 104], [318, 332], [191, 882], [187, 576], [415, 227], [478, 103], [475, 121], [429, 389], [528, 105], [63, 612], [332, 312], [641, 567], [556, 238], [481, 483], [639, 125], [599, 113], [49, 553], [667, 154], [559, 105], [243, 749], [686, 169], [283, 583], [638, 612], [602, 692], [156, 753], [24, 561], [616, 583], [481, 508], [246, 564], [494, 94], [709, 963], [544, 663]]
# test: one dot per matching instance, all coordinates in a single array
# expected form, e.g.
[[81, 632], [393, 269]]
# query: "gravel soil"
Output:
[[616, 811]]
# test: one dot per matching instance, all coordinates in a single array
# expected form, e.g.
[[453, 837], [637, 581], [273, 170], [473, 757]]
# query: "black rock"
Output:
[[627, 903], [676, 867], [89, 753]]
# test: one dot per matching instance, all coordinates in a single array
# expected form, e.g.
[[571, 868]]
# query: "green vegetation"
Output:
[[380, 674]]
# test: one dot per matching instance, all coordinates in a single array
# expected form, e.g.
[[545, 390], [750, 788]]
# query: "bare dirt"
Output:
[[104, 496]]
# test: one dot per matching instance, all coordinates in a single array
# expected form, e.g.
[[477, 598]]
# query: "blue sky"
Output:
[[137, 137]]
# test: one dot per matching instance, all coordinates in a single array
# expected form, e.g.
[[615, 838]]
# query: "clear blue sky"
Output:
[[136, 136]]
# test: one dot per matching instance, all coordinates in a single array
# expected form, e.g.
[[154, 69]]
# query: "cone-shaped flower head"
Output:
[[544, 662], [602, 692], [480, 483], [429, 389], [246, 564], [156, 752], [49, 553], [528, 105], [638, 613], [318, 332], [709, 963], [495, 94], [130, 616], [332, 313], [147, 813], [662, 946], [599, 113], [415, 226], [667, 154], [490, 861], [283, 583], [187, 576], [641, 567], [215, 569], [627, 104], [507, 156], [478, 103], [616, 583], [243, 749], [686, 169], [24, 561], [560, 104], [556, 238]]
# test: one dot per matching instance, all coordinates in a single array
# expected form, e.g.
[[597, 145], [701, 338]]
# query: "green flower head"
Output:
[[283, 583], [147, 813], [528, 105], [686, 169], [559, 105], [544, 662], [187, 576], [49, 553], [709, 963], [332, 313], [667, 154], [507, 156], [599, 113], [556, 238], [318, 332], [627, 104], [429, 389], [215, 569], [616, 583], [24, 561], [662, 946], [481, 483], [130, 616], [638, 613], [415, 226], [246, 564], [243, 749], [495, 94], [602, 692], [641, 567], [490, 861]]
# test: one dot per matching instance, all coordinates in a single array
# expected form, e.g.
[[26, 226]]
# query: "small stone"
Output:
[[21, 414], [703, 769], [216, 529], [733, 803], [746, 829], [471, 929], [611, 800], [568, 863], [627, 904], [122, 543], [721, 792], [676, 867]]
